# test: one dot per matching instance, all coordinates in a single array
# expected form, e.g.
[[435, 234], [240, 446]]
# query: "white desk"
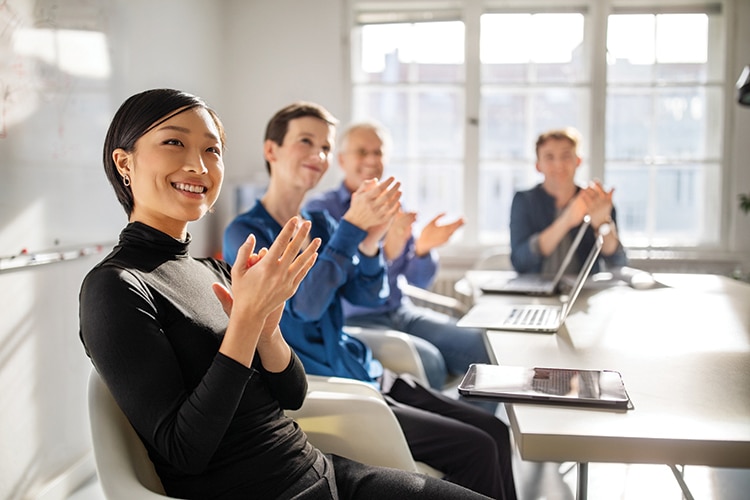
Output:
[[684, 353]]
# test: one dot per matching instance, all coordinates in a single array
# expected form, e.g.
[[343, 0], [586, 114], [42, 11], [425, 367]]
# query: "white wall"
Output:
[[276, 53], [53, 195], [247, 58]]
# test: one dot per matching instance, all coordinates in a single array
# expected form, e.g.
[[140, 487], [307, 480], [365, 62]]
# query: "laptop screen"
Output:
[[583, 274], [572, 250]]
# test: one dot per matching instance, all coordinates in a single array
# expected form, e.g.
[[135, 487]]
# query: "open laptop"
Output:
[[541, 318], [533, 283], [518, 384]]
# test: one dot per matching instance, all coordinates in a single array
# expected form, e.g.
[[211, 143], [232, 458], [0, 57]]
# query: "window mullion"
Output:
[[596, 42], [472, 97]]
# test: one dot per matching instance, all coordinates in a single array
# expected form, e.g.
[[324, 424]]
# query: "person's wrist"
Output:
[[369, 249], [605, 227]]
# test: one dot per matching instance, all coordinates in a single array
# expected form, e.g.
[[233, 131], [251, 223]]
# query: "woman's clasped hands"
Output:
[[263, 281]]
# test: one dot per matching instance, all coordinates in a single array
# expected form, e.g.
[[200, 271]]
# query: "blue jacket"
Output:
[[312, 322], [530, 213], [419, 271]]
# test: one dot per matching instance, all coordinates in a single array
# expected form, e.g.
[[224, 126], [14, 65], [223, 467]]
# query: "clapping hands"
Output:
[[593, 200], [434, 235], [263, 281], [373, 208]]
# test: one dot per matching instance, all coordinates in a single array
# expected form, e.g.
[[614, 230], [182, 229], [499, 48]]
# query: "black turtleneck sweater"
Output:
[[152, 327]]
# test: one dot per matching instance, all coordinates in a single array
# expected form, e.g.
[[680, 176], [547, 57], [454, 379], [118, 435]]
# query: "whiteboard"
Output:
[[55, 106]]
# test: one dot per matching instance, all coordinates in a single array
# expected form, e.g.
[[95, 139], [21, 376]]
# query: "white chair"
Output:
[[395, 349], [122, 463], [433, 300], [341, 416], [350, 418]]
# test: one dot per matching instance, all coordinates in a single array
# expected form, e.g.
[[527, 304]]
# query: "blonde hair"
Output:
[[569, 134]]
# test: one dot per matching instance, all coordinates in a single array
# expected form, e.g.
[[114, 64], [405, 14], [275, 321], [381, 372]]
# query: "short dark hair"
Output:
[[135, 117], [278, 125], [569, 134]]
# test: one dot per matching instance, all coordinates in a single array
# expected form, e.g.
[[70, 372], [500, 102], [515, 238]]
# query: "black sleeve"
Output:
[[288, 387], [120, 330]]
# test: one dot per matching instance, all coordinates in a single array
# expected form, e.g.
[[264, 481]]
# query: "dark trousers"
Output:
[[337, 478], [470, 446]]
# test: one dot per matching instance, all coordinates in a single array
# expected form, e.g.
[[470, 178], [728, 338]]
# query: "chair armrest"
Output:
[[394, 349], [435, 300], [342, 385], [358, 425]]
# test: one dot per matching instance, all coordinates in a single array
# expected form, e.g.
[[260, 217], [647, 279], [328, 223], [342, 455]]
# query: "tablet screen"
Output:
[[543, 384]]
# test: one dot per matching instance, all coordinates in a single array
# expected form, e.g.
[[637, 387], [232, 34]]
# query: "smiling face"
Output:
[[304, 155], [361, 157], [175, 170], [558, 161]]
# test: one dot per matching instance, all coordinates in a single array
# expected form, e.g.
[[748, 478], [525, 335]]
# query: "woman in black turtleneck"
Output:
[[204, 375]]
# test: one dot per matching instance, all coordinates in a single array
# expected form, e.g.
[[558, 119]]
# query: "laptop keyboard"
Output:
[[532, 316]]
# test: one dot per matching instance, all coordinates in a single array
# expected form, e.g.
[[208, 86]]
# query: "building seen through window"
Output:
[[466, 98]]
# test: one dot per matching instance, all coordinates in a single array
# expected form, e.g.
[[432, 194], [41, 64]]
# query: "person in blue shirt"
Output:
[[361, 155], [470, 446], [545, 218]]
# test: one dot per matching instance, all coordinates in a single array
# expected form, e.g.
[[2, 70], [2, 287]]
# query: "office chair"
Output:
[[350, 418], [442, 303], [340, 416], [122, 463], [393, 348]]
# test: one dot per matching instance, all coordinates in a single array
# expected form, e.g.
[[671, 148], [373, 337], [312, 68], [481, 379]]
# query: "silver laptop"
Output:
[[534, 283], [542, 318]]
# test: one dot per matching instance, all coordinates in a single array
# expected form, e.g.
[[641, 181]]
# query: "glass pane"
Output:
[[430, 188], [666, 205], [418, 52], [502, 125], [510, 121], [439, 130], [657, 48], [680, 123], [631, 48], [498, 182], [628, 125], [532, 47], [386, 106], [424, 123], [663, 124], [631, 199]]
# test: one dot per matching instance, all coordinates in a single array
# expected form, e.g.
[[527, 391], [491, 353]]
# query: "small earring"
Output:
[[126, 180]]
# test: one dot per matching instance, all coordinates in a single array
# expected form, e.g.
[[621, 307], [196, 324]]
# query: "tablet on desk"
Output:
[[540, 385]]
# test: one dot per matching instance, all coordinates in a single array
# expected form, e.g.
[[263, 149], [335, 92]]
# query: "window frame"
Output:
[[596, 14]]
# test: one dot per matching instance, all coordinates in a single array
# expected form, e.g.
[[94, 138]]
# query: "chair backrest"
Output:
[[351, 419], [122, 463], [395, 349]]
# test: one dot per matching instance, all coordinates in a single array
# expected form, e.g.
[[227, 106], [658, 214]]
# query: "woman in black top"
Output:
[[204, 376]]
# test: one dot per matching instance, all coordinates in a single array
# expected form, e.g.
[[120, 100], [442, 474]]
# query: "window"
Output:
[[410, 77], [533, 78], [466, 91], [664, 101]]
